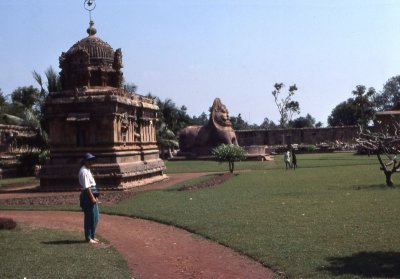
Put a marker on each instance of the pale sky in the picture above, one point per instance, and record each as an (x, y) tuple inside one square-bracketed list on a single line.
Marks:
[(193, 51)]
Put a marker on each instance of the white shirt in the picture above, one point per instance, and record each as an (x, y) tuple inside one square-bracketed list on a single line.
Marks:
[(86, 179)]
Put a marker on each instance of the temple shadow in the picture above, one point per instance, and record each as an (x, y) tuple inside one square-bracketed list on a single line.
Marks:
[(365, 264), (63, 242)]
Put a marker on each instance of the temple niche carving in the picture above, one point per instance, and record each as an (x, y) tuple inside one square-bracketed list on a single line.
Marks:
[(195, 141), (93, 113)]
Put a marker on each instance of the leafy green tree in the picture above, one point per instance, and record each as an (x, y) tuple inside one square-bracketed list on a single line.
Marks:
[(268, 124), (355, 111), (364, 106), (303, 122), (170, 121), (389, 96), (238, 123), (174, 118), (36, 119), (2, 99), (229, 153), (130, 87), (27, 96), (286, 106), (344, 114), (201, 120)]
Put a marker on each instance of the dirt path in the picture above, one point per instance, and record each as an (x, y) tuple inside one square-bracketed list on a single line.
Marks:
[(154, 250)]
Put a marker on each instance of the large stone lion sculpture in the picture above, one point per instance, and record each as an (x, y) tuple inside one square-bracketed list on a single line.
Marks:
[(200, 140)]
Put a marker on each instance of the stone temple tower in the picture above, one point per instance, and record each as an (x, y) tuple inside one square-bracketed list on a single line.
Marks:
[(93, 113)]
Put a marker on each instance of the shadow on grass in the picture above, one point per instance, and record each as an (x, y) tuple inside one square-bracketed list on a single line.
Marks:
[(366, 264), (63, 242), (372, 187)]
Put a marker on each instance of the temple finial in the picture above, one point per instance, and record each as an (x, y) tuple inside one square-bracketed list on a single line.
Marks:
[(91, 30), (90, 5)]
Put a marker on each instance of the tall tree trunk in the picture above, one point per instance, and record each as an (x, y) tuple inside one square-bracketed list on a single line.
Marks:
[(389, 181), (388, 173)]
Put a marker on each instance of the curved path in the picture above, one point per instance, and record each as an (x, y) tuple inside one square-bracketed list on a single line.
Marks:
[(154, 250)]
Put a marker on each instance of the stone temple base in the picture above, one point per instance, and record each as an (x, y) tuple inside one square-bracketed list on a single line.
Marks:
[(117, 176)]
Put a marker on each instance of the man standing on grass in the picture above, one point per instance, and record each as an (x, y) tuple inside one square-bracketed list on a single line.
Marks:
[(294, 160), (286, 158), (88, 199)]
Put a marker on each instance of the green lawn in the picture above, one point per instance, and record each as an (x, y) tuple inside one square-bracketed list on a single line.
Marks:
[(11, 181), (42, 253), (303, 160), (331, 218)]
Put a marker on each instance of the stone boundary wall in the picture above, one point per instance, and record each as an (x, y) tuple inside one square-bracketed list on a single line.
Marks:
[(345, 134)]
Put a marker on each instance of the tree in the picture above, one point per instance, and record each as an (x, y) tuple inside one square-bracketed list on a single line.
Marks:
[(130, 87), (171, 120), (286, 106), (2, 99), (268, 124), (36, 119), (27, 96), (229, 153), (303, 122), (238, 123), (385, 145), (201, 120), (389, 96), (166, 140), (354, 111), (344, 114), (364, 106), (175, 119)]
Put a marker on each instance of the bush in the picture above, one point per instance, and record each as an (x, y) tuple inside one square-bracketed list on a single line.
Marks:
[(306, 148), (7, 224), (29, 160), (229, 153)]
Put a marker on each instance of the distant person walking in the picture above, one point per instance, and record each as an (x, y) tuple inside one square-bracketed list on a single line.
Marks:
[(294, 160), (88, 199), (286, 158)]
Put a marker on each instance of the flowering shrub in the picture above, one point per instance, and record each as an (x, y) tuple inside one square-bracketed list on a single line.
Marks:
[(229, 153)]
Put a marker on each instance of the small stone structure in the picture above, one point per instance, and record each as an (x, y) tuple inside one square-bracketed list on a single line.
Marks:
[(195, 141), (388, 117), (12, 139), (10, 135), (93, 113)]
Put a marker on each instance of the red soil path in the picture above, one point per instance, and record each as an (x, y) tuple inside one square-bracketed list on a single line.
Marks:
[(154, 250)]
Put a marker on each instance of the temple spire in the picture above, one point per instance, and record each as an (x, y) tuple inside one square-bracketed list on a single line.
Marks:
[(91, 30), (90, 5)]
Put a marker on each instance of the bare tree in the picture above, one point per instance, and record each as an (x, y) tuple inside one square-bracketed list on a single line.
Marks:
[(286, 106), (385, 144)]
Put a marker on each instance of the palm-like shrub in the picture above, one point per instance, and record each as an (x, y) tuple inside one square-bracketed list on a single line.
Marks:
[(229, 153), (166, 140)]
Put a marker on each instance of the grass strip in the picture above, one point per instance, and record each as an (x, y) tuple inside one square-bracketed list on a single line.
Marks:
[(43, 253)]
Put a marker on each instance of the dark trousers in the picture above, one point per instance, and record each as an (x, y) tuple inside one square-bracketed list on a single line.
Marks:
[(91, 215)]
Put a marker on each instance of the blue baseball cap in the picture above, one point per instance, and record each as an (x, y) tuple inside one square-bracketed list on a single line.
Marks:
[(88, 157)]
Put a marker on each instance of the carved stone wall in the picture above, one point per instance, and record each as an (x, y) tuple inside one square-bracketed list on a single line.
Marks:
[(114, 125), (345, 134)]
